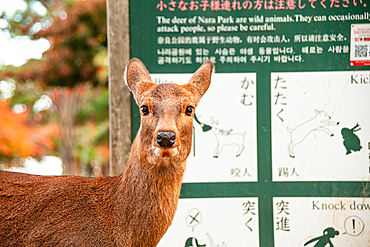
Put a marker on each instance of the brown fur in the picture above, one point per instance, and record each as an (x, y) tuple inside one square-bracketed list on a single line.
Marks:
[(133, 209)]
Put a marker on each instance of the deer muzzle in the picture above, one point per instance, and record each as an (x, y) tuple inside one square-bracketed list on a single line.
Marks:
[(166, 139), (165, 144)]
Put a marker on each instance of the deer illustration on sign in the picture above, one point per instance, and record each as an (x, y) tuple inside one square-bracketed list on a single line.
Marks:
[(224, 138), (319, 122)]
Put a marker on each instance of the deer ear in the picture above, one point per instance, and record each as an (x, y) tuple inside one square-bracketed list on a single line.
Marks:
[(137, 78), (201, 79)]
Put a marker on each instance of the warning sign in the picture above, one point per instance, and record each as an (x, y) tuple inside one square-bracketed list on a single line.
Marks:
[(320, 222), (218, 222), (320, 126)]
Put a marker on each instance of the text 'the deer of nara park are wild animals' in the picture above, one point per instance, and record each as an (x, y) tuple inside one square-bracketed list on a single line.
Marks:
[(133, 209)]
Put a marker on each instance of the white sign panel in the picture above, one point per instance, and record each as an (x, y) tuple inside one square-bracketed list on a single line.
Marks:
[(224, 139), (321, 222), (219, 222), (320, 126)]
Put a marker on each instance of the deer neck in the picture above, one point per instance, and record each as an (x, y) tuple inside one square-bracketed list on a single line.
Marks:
[(152, 191)]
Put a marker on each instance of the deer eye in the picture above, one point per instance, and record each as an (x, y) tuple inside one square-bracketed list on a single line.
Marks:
[(189, 110), (144, 110)]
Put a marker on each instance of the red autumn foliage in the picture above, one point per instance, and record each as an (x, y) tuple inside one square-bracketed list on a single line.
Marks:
[(19, 138)]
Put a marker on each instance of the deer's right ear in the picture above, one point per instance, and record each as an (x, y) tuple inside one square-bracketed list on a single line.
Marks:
[(137, 78)]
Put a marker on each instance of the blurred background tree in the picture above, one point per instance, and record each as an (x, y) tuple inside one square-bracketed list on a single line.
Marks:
[(66, 88)]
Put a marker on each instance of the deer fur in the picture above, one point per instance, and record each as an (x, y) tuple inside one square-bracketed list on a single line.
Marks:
[(133, 209)]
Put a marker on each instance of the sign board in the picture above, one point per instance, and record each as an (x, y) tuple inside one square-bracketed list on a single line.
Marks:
[(284, 125), (317, 221), (231, 221), (316, 126)]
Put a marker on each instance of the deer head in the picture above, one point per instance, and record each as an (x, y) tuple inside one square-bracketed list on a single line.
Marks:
[(167, 112)]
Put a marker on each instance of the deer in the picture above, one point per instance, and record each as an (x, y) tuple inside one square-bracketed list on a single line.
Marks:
[(132, 209)]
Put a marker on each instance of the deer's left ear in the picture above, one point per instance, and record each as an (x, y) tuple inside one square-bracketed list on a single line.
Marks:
[(137, 78), (201, 79)]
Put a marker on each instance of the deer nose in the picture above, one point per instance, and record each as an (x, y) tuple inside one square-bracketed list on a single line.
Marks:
[(166, 138)]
